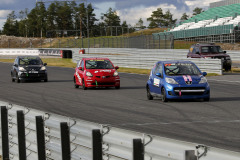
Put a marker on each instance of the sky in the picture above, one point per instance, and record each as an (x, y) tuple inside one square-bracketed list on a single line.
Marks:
[(128, 10)]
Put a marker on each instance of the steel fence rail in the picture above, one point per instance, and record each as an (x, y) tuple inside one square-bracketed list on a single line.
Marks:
[(145, 59), (116, 143)]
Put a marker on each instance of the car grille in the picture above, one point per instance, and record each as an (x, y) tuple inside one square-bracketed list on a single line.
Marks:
[(104, 83), (102, 76), (189, 90)]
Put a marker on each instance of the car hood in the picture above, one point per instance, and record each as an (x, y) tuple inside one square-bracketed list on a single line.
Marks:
[(101, 72), (187, 79)]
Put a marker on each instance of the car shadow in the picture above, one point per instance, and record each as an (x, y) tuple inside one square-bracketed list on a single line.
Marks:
[(223, 99), (49, 81)]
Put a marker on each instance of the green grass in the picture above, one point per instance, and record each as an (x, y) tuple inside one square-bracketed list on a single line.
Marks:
[(61, 62)]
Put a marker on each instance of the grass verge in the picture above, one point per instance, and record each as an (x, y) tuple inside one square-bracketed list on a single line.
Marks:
[(60, 62)]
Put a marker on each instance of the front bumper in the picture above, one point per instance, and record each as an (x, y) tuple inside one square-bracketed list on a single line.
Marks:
[(102, 82), (40, 75), (200, 91)]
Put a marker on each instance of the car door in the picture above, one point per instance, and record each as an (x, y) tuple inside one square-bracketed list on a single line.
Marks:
[(81, 71), (196, 53), (156, 80)]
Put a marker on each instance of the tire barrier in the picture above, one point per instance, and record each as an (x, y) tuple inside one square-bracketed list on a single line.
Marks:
[(66, 54)]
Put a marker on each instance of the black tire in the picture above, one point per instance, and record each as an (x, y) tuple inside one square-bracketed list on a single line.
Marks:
[(13, 80), (17, 80), (164, 97), (117, 87), (228, 68), (45, 80), (149, 96), (83, 85), (75, 85)]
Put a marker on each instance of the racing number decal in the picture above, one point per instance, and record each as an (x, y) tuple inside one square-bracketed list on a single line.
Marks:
[(79, 78), (187, 79), (156, 82)]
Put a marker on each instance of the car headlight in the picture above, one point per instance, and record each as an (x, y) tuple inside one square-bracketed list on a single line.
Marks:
[(43, 68), (21, 69), (171, 81), (115, 74), (89, 74), (203, 80)]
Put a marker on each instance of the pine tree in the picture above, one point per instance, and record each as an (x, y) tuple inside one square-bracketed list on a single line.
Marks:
[(10, 26)]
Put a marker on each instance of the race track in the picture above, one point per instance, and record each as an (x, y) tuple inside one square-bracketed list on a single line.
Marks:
[(215, 123)]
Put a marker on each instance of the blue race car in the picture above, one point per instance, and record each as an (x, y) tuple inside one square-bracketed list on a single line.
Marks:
[(177, 80)]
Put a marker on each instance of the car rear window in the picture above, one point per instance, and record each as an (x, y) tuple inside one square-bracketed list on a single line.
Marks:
[(174, 69), (212, 49), (98, 64)]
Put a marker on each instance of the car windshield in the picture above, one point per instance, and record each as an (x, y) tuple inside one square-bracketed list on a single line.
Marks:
[(175, 69), (212, 49), (99, 64), (30, 61)]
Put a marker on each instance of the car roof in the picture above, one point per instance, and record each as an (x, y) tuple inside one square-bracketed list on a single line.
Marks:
[(174, 61), (96, 58), (205, 44)]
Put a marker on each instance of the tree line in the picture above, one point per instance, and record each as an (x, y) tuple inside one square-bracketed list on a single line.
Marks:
[(69, 18)]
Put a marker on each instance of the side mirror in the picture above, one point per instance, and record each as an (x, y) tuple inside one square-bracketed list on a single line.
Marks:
[(15, 65), (159, 74), (116, 67), (224, 51), (80, 68), (204, 74), (44, 64)]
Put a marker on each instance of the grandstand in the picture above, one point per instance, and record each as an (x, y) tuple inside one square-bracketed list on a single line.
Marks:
[(220, 23)]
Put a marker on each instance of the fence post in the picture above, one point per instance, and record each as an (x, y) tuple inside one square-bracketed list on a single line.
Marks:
[(65, 141), (190, 155), (159, 41), (40, 138), (4, 128), (97, 144), (21, 135), (138, 149)]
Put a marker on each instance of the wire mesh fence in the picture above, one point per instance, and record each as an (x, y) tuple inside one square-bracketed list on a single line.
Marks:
[(141, 42)]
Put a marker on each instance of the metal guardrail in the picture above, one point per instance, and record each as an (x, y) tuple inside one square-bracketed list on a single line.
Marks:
[(55, 137), (146, 58)]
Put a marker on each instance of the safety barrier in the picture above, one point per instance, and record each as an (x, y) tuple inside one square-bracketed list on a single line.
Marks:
[(19, 52), (32, 134), (146, 58)]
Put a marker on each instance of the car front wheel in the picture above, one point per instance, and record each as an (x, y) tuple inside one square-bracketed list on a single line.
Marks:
[(149, 96), (83, 85), (164, 96), (17, 79), (75, 85)]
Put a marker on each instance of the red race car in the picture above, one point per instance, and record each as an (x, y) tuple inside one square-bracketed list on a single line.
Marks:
[(96, 72)]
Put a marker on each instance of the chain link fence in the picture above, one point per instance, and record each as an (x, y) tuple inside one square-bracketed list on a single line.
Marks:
[(141, 42)]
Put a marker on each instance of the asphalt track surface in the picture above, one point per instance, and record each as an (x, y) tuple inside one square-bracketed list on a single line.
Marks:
[(215, 123)]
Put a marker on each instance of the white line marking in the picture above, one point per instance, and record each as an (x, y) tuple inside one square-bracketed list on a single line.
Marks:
[(169, 123), (224, 81)]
